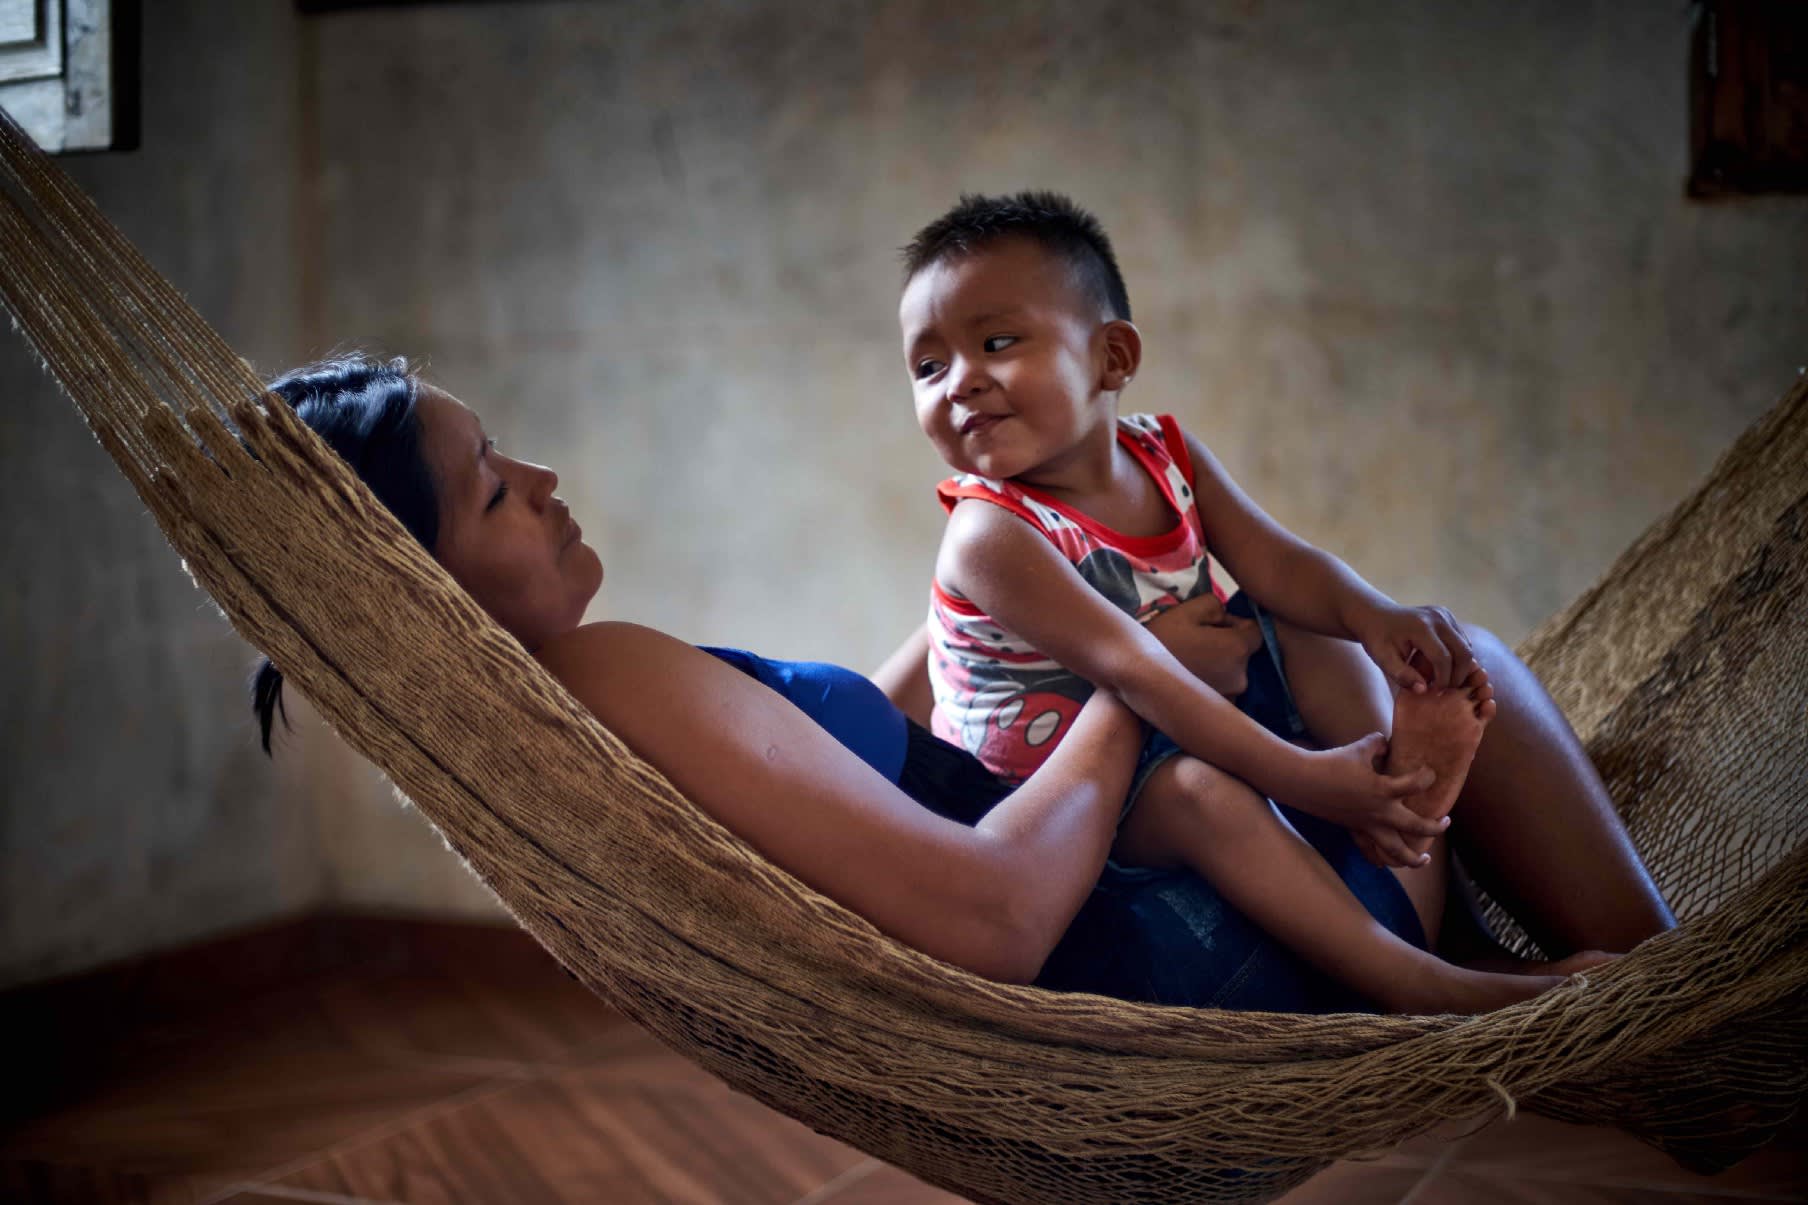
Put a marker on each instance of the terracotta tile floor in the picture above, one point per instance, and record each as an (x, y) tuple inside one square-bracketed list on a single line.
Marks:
[(341, 1060)]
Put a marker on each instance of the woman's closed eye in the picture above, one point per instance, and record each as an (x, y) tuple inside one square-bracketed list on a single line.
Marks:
[(501, 487)]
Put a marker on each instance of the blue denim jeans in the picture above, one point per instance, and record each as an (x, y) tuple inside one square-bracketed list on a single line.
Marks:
[(1168, 937)]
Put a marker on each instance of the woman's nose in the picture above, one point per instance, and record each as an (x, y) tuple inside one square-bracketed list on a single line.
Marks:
[(544, 482)]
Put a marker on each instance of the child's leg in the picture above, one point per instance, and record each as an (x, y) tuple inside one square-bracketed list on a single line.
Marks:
[(1191, 814), (1343, 696)]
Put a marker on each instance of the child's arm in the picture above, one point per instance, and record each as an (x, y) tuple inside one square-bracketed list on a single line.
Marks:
[(1005, 567), (1312, 589), (905, 677)]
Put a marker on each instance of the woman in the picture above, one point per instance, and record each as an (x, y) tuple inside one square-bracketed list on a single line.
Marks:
[(843, 792)]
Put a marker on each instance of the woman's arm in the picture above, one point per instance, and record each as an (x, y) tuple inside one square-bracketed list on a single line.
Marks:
[(993, 899), (905, 677)]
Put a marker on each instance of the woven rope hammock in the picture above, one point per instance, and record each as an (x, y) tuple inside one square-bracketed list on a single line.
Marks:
[(1685, 670)]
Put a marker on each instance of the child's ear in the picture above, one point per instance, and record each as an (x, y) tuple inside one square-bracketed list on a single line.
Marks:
[(1123, 353)]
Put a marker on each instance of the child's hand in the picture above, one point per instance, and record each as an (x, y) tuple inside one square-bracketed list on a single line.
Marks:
[(1347, 787), (1418, 648), (1213, 645), (1387, 847)]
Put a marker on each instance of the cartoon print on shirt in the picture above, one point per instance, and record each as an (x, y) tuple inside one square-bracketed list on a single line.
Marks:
[(1140, 593), (1021, 707), (997, 695)]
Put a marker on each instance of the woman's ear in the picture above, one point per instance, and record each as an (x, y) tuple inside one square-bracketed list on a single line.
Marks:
[(1123, 353)]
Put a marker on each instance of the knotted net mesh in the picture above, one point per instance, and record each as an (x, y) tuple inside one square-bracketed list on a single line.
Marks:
[(1685, 670)]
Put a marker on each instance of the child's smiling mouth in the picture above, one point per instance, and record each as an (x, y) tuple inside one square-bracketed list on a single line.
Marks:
[(977, 423)]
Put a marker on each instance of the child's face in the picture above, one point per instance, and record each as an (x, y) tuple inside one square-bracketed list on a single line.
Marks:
[(1006, 358)]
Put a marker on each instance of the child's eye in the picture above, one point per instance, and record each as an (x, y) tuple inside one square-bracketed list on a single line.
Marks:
[(998, 343), (497, 497), (924, 369)]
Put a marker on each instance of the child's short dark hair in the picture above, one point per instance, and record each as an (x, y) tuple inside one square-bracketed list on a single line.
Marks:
[(1049, 219)]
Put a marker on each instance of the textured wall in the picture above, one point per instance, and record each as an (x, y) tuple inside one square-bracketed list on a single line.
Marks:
[(1421, 273), (135, 809)]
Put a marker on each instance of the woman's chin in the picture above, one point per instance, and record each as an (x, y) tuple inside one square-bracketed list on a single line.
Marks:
[(591, 571)]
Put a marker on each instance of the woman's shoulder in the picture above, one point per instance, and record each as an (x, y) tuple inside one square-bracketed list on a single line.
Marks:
[(608, 636), (601, 663), (673, 703)]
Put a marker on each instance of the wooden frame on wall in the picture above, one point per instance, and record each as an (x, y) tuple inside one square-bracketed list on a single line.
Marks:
[(1748, 97), (69, 72), (333, 6)]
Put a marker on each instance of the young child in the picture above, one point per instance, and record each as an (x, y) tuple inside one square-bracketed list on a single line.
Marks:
[(1068, 525)]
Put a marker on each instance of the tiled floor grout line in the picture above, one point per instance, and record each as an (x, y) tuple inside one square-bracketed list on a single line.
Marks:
[(610, 1043), (1437, 1167), (579, 1055), (475, 1064), (309, 1194), (476, 1092), (852, 1175), (1534, 1174)]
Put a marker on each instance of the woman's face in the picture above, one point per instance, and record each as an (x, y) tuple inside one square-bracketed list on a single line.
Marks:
[(503, 535)]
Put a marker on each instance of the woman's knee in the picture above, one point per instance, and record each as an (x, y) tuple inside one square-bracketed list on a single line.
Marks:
[(1516, 684), (1488, 648), (1340, 693)]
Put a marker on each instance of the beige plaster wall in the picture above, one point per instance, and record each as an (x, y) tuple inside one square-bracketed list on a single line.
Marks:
[(136, 811), (1421, 273)]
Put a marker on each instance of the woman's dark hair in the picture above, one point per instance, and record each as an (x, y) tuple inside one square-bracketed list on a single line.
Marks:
[(364, 408)]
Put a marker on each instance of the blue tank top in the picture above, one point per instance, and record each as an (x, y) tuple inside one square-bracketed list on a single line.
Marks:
[(849, 707)]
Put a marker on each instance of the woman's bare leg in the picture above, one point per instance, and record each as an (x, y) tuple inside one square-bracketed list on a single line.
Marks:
[(1191, 814), (1533, 822), (1536, 826)]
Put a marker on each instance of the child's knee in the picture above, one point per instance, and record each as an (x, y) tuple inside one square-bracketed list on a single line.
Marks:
[(1185, 803), (1200, 794)]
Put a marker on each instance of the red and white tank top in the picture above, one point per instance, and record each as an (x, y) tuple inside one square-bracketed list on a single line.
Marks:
[(1007, 702)]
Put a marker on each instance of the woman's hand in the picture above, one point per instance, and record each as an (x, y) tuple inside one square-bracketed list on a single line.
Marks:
[(1214, 645), (1346, 786), (1418, 648)]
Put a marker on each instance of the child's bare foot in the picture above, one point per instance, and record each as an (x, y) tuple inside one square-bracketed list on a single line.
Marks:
[(1450, 989), (1441, 729), (1508, 965), (1581, 961), (1443, 988)]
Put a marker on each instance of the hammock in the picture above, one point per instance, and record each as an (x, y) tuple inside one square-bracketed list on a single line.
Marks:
[(1685, 670)]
